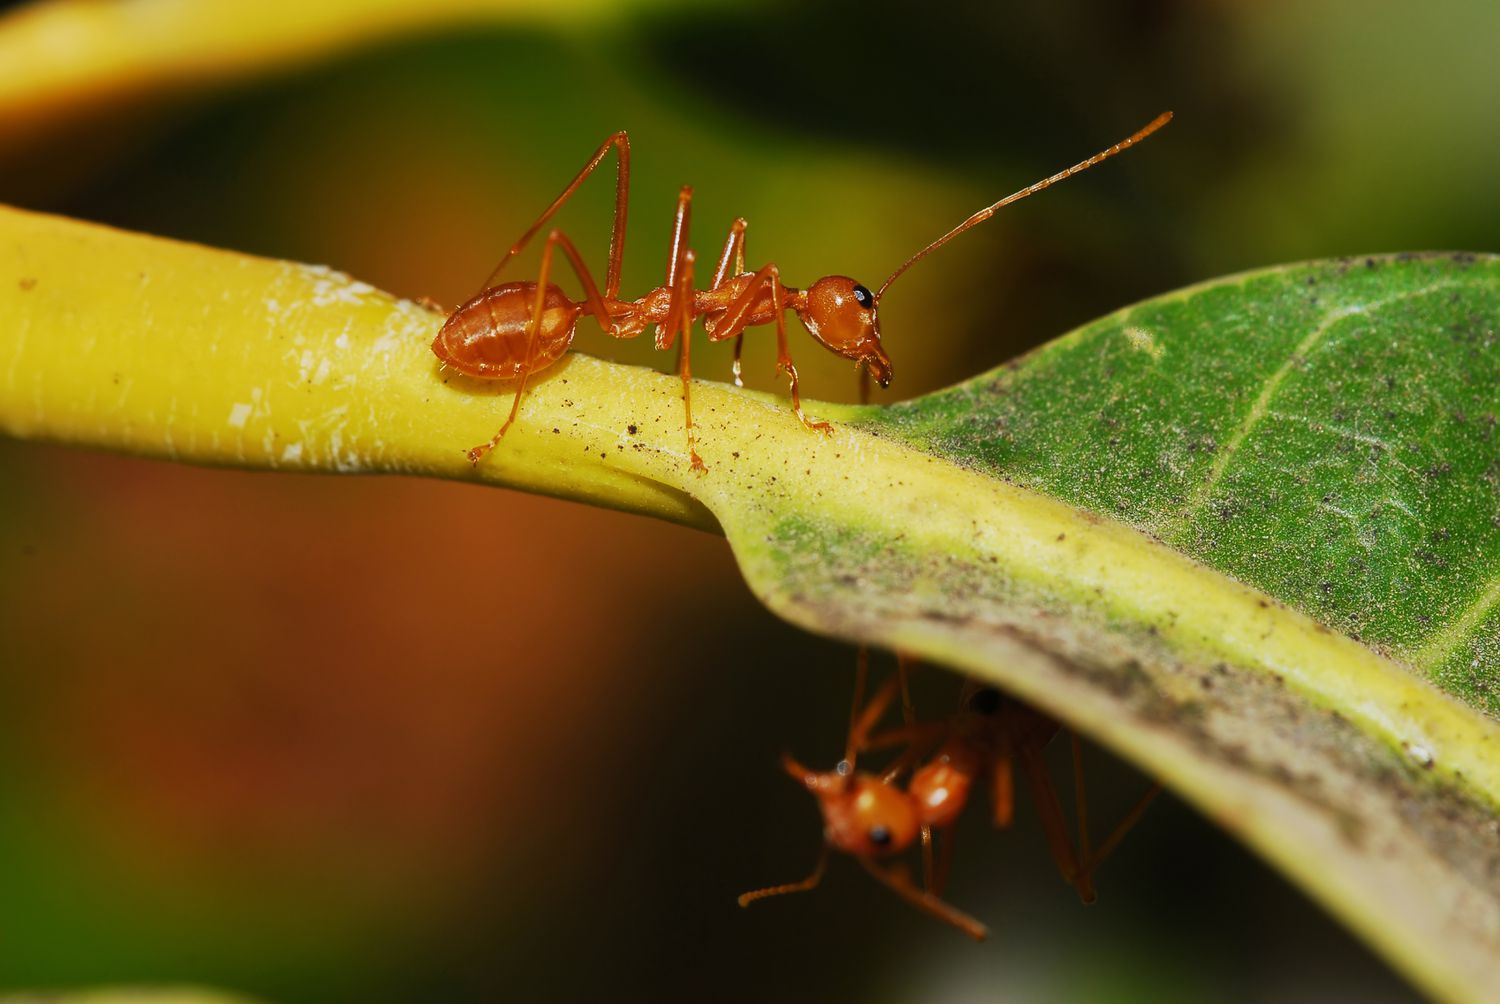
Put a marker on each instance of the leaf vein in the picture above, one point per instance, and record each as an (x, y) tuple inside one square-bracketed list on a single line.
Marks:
[(1261, 407), (1445, 641)]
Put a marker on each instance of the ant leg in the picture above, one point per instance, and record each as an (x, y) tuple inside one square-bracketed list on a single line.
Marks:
[(739, 339), (667, 330), (919, 738), (1131, 818), (1080, 799), (733, 323), (555, 240), (863, 720), (896, 879), (784, 362), (908, 709), (732, 320), (1003, 789), (592, 300), (1092, 859), (944, 863), (621, 143), (861, 677), (734, 253), (533, 331), (679, 319), (909, 718), (810, 882), (1053, 823), (685, 290)]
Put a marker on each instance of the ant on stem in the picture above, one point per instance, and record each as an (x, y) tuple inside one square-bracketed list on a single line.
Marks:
[(512, 330), (870, 817)]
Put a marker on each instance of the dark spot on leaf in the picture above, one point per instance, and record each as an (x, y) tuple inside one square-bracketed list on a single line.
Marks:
[(1430, 557), (27, 285)]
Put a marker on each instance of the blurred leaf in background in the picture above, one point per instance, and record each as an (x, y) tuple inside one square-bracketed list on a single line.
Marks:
[(305, 739)]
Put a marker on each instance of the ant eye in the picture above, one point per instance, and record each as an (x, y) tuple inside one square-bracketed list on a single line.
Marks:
[(880, 836), (862, 297)]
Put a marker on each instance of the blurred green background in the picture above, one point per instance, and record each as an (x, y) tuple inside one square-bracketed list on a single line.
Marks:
[(299, 737)]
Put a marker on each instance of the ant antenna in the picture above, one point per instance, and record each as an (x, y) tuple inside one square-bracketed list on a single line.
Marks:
[(989, 211)]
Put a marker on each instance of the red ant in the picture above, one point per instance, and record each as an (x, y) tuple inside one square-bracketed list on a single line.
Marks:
[(869, 817), (513, 330)]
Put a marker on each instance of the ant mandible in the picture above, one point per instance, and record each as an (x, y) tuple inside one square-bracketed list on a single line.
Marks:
[(510, 331), (870, 818)]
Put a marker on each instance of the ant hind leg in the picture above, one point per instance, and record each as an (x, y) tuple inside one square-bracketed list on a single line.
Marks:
[(1054, 824), (620, 142), (1124, 826), (594, 303)]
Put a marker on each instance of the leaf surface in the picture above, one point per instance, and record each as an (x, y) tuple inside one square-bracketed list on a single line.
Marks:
[(1242, 534)]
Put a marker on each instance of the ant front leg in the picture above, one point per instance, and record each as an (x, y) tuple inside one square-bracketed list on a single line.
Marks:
[(896, 879), (784, 362), (734, 322), (861, 678), (811, 882)]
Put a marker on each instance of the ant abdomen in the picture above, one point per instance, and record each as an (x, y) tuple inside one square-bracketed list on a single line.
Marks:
[(488, 336)]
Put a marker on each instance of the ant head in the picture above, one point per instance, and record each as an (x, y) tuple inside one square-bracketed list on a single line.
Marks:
[(862, 815), (842, 314)]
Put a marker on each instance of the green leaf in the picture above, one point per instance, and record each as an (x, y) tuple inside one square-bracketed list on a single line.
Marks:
[(1165, 529), (1325, 432)]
